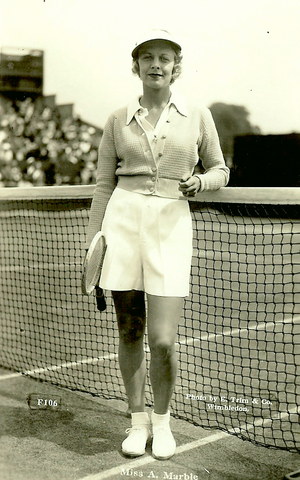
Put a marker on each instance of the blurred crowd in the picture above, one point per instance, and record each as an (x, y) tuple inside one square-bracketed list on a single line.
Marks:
[(39, 146)]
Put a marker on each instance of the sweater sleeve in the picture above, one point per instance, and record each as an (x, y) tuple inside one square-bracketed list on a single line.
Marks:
[(216, 174), (105, 179)]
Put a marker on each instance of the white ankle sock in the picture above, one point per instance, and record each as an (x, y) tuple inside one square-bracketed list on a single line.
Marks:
[(140, 418)]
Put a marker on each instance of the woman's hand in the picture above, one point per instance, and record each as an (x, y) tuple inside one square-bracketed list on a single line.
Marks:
[(189, 186)]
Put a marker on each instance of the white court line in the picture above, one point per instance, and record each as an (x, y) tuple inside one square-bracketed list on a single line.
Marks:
[(209, 337), (184, 448), (235, 331), (53, 368)]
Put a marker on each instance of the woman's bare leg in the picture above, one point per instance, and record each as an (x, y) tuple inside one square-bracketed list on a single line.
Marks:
[(164, 314), (130, 309)]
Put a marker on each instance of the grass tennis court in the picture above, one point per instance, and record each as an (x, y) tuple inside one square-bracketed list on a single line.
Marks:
[(237, 340), (82, 441)]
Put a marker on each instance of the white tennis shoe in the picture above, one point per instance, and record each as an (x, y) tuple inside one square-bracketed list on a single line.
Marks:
[(135, 444), (163, 443)]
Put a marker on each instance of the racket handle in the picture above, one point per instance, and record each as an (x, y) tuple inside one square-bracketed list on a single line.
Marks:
[(100, 299)]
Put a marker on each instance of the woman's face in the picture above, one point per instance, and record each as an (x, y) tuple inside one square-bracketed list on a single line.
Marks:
[(156, 61)]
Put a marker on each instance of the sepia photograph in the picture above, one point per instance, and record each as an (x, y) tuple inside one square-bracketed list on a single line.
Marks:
[(149, 240)]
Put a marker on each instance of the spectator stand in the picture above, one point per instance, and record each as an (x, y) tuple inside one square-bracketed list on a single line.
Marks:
[(42, 143)]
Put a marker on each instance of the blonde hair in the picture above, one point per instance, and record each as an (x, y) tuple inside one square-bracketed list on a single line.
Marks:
[(176, 70)]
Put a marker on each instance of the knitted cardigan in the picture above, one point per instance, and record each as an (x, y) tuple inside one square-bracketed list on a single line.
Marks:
[(125, 157)]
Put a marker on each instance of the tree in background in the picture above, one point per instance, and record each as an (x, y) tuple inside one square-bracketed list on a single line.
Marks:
[(231, 120)]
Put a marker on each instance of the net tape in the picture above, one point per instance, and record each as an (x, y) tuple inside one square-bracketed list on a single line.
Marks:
[(239, 333)]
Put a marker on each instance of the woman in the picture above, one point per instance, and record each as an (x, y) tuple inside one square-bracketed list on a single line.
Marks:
[(147, 158)]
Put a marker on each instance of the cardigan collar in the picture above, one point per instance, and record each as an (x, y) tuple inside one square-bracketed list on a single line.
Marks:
[(135, 106)]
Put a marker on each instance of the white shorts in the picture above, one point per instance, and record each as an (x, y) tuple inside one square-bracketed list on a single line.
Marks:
[(149, 244)]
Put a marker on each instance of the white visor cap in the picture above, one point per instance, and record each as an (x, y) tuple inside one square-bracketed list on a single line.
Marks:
[(155, 35)]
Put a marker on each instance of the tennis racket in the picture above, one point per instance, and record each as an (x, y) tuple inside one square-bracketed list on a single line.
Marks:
[(91, 270)]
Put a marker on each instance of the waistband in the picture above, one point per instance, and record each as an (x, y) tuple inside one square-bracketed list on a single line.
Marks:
[(161, 187)]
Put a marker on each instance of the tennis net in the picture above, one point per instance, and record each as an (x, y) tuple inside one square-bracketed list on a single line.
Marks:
[(239, 334)]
